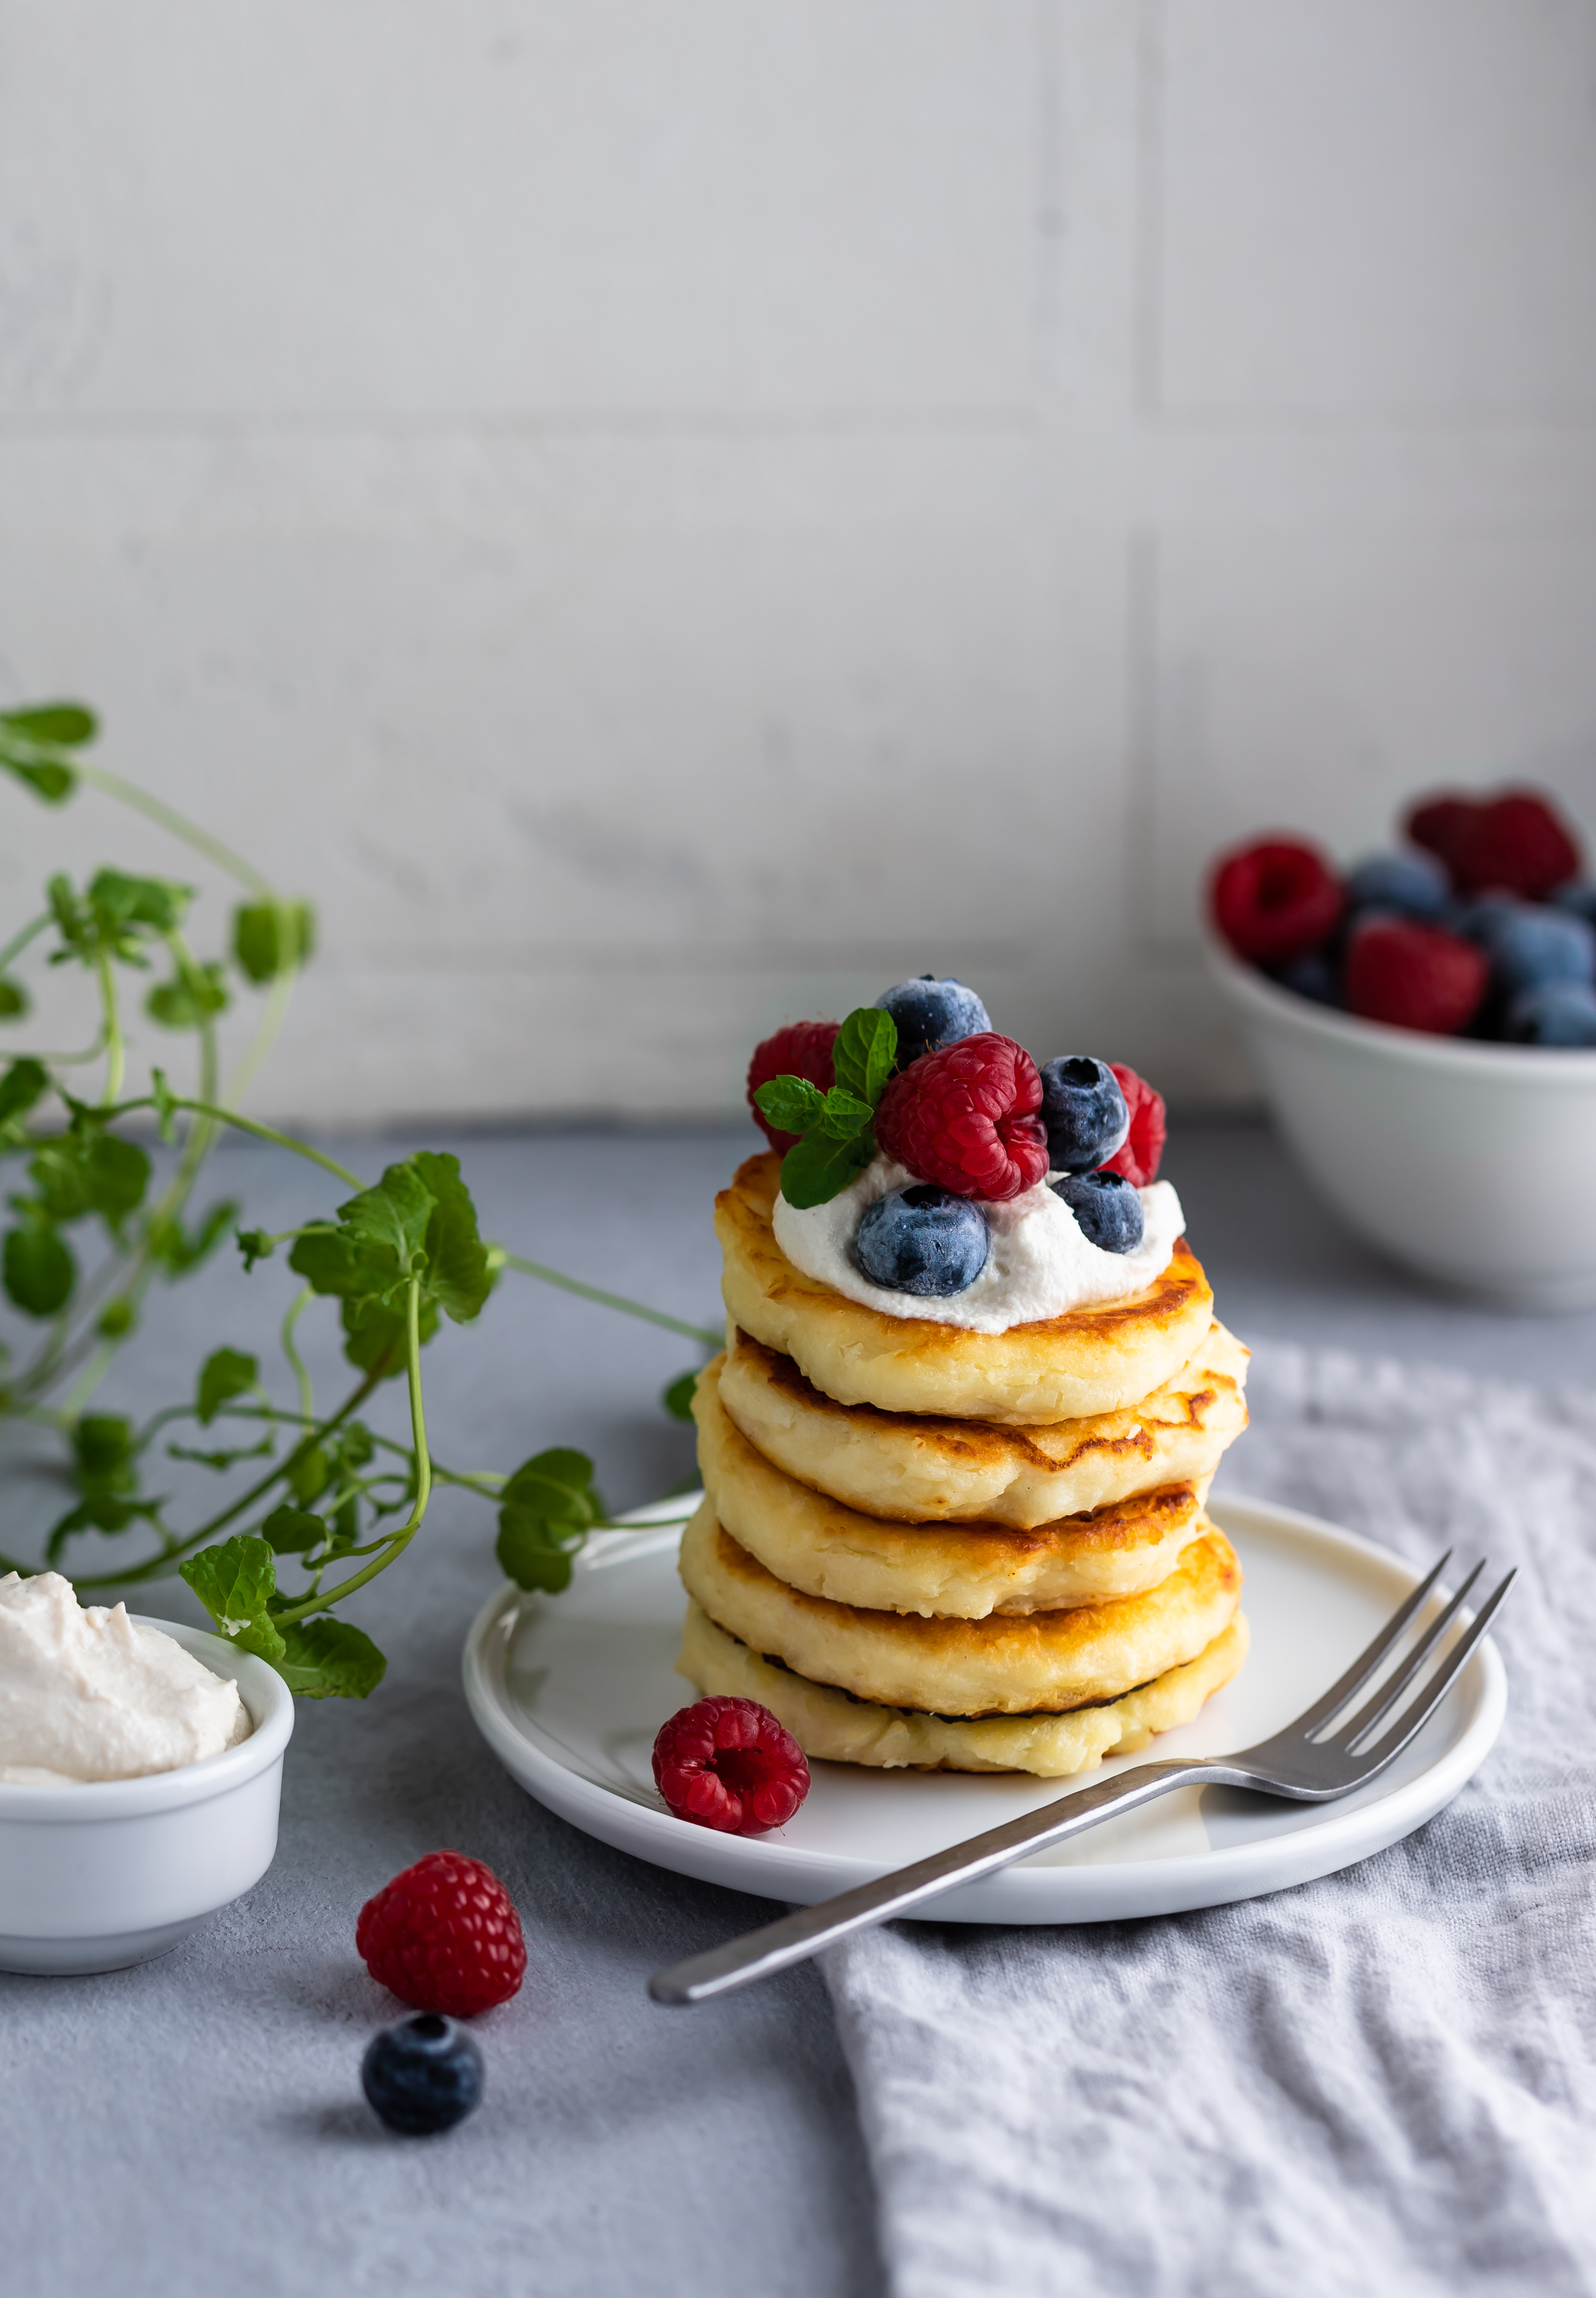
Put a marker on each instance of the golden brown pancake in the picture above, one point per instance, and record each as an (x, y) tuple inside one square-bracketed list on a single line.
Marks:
[(1002, 1665), (831, 1726), (964, 1571), (912, 1467), (1094, 1360)]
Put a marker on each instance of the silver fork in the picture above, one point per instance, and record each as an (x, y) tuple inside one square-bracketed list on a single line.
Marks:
[(1296, 1763)]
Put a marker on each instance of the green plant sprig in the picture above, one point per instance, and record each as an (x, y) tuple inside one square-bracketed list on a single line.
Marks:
[(836, 1128), (396, 1257)]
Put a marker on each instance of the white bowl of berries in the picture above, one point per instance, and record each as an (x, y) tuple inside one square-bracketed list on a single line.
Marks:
[(1423, 1023)]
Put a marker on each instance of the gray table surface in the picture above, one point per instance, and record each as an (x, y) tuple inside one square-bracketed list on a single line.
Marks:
[(196, 2124)]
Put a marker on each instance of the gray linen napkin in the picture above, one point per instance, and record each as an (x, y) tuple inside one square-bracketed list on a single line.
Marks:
[(1381, 2082)]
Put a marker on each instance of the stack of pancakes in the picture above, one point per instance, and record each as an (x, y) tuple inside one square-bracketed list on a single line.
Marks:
[(964, 1551)]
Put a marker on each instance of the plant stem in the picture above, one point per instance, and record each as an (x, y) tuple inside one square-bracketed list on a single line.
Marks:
[(145, 802), (296, 1363), (712, 1340), (19, 941), (116, 1052), (247, 1124)]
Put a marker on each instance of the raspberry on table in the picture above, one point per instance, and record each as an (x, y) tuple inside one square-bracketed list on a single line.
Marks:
[(1138, 1160), (1414, 976), (445, 1936), (967, 1118), (1275, 899), (799, 1049), (730, 1765)]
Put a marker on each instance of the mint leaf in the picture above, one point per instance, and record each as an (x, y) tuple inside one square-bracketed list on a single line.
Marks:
[(865, 1052), (66, 723), (25, 1082), (13, 1000), (458, 1275), (226, 1373), (38, 1269), (374, 1337), (329, 1659), (235, 1581), (677, 1398), (820, 1169), (842, 1115), (270, 936), (791, 1104), (104, 1459), (289, 1531), (530, 1551), (386, 1226), (548, 1507)]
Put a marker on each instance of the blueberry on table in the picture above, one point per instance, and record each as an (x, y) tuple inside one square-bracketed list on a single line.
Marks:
[(1414, 885), (930, 1014), (423, 2075), (923, 1240), (1107, 1210), (1557, 1014), (1085, 1112)]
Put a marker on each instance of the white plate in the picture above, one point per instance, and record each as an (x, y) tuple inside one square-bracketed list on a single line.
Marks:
[(569, 1692)]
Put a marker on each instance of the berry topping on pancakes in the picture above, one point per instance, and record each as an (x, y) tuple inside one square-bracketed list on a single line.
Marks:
[(1138, 1159), (968, 1119), (803, 1049)]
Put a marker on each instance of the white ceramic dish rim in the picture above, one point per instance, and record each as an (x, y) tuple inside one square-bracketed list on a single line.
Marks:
[(1572, 1066), (1217, 1876), (264, 1693)]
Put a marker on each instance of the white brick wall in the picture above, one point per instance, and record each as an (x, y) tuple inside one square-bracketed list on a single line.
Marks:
[(659, 517)]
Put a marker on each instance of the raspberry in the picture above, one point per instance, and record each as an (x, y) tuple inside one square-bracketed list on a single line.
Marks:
[(966, 1118), (1437, 823), (1274, 900), (1138, 1160), (1414, 976), (801, 1049), (445, 1936), (728, 1764), (1517, 841)]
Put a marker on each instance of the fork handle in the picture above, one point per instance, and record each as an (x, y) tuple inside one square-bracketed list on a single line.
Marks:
[(808, 1930)]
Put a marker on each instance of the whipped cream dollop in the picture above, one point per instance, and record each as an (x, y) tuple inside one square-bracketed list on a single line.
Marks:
[(86, 1693), (1038, 1264)]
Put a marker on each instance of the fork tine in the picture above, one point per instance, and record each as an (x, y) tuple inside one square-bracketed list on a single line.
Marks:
[(1368, 1660), (1414, 1718), (1387, 1698)]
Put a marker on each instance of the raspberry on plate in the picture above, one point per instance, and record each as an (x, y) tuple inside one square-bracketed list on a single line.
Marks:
[(1414, 976), (729, 1765), (445, 1936), (1138, 1160), (1275, 899), (966, 1117), (800, 1049)]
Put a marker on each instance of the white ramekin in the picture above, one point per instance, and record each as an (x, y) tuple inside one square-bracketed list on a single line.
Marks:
[(1473, 1163), (97, 1876)]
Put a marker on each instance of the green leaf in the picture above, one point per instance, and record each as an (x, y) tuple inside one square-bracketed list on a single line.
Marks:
[(842, 1115), (166, 1103), (791, 1104), (103, 1458), (310, 1472), (66, 723), (89, 1171), (101, 1512), (51, 778), (330, 1659), (13, 1000), (527, 1552), (459, 1277), (226, 1458), (547, 1508), (865, 1052), (116, 1319), (225, 1373), (235, 1581), (256, 1245), (677, 1399), (193, 996), (375, 1337), (559, 1481), (291, 1530), (25, 1082), (38, 1269), (117, 900), (270, 936), (386, 1226), (177, 1250), (819, 1169)]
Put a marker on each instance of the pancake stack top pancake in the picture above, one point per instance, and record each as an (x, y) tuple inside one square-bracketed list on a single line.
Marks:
[(973, 1396)]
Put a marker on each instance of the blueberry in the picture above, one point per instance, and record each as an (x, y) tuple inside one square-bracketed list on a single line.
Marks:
[(923, 1240), (1106, 1207), (1530, 946), (423, 2075), (1414, 885), (1084, 1111), (1313, 976), (930, 1014), (1478, 920), (1579, 895), (1557, 1014)]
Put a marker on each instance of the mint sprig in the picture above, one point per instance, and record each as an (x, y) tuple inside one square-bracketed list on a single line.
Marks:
[(836, 1130)]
